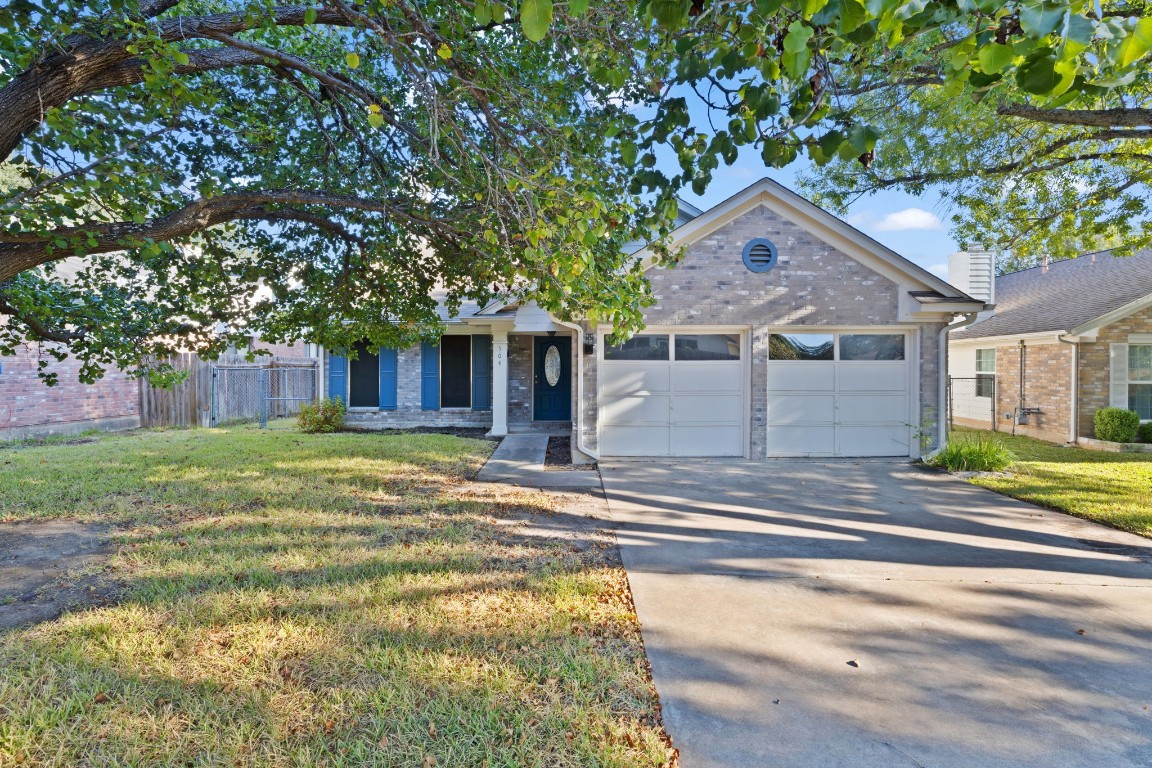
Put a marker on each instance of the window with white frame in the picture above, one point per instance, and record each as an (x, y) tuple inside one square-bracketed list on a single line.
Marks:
[(985, 372), (1140, 380)]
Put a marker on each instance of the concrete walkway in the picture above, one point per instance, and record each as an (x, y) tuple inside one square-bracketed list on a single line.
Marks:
[(877, 614), (519, 460)]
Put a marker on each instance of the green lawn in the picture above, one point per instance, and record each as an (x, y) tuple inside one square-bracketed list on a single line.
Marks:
[(1110, 488), (319, 600)]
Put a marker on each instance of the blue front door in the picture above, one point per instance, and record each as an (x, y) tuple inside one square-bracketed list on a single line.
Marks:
[(552, 379)]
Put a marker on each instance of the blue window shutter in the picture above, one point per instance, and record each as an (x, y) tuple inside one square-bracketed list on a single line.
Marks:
[(429, 377), (387, 379), (338, 377), (481, 372)]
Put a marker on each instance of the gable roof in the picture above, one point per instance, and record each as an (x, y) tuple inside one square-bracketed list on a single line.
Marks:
[(822, 224), (1073, 295)]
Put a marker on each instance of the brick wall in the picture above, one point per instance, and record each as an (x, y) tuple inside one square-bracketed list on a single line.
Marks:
[(1094, 364), (1047, 385), (520, 379), (28, 407), (813, 284)]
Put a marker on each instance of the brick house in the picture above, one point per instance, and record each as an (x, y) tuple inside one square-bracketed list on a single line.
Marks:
[(1064, 340), (782, 332), (28, 407)]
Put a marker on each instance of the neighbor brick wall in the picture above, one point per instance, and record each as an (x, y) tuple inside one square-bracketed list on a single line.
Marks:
[(1047, 386), (28, 406), (1094, 365), (813, 284)]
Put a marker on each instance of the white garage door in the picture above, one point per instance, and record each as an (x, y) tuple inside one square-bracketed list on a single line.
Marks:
[(673, 394), (839, 394)]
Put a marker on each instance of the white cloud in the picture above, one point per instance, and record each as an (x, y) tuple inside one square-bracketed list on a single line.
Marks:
[(909, 219), (939, 269)]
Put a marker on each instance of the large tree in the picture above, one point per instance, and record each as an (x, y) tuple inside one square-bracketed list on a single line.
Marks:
[(320, 168), (313, 169), (1033, 119)]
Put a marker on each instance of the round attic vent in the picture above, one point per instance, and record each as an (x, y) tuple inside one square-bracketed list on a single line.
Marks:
[(760, 255)]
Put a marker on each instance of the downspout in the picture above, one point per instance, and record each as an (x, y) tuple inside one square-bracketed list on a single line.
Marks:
[(1074, 422), (579, 389), (942, 389)]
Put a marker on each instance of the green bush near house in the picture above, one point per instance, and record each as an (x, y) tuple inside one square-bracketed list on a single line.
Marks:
[(1116, 425), (324, 416), (981, 454), (1144, 433)]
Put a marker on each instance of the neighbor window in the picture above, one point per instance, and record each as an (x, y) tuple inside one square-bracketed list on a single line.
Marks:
[(711, 346), (1140, 380), (871, 346), (985, 372), (652, 346), (801, 346)]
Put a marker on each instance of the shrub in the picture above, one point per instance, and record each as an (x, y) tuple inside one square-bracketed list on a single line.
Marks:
[(1116, 425), (981, 454), (324, 416), (1144, 434)]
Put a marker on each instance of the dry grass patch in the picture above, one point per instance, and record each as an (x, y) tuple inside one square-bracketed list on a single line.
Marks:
[(335, 600)]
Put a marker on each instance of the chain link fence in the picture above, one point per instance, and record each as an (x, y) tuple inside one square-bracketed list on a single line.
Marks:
[(265, 394), (972, 402)]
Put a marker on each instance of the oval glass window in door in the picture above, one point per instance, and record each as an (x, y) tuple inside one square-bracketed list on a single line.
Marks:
[(552, 365)]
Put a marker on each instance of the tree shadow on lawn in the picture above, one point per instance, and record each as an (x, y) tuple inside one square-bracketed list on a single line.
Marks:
[(283, 634)]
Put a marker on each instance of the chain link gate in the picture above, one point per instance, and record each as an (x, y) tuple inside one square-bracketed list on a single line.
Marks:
[(261, 393), (972, 402)]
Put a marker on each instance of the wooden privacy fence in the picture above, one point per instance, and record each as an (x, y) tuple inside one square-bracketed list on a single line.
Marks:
[(240, 390)]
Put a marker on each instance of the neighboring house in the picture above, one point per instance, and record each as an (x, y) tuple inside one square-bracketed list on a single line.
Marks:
[(782, 332), (1064, 340), (29, 408)]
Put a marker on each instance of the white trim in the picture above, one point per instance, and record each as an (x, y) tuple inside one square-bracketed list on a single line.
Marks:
[(1038, 337), (1140, 338), (816, 221)]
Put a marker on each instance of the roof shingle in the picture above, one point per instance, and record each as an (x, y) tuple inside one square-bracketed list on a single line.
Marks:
[(1069, 294)]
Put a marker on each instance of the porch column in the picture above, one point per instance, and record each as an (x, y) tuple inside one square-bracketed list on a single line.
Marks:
[(499, 383)]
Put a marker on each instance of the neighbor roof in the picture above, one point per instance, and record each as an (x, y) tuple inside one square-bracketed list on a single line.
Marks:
[(1069, 294)]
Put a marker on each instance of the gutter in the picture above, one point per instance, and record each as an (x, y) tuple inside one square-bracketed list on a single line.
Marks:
[(942, 393), (1074, 416), (579, 389)]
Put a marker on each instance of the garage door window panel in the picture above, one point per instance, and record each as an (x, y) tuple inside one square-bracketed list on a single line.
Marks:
[(802, 346), (707, 347), (871, 346), (641, 347)]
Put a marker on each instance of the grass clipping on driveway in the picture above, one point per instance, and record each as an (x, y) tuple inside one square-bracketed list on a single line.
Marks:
[(320, 600), (1110, 488)]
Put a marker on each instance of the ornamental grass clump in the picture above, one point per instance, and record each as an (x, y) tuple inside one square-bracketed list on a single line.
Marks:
[(981, 454), (324, 416), (1116, 425)]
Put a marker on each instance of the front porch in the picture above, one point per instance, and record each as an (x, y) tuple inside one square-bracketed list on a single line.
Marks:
[(486, 374)]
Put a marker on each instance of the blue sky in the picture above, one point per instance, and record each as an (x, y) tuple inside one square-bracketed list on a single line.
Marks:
[(914, 227)]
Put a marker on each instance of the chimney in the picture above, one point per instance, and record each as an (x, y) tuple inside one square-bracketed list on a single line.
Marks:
[(973, 271)]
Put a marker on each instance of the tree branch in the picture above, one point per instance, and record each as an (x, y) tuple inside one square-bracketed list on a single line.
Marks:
[(1119, 117), (19, 252)]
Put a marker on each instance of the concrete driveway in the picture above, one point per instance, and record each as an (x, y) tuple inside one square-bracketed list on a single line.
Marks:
[(876, 614)]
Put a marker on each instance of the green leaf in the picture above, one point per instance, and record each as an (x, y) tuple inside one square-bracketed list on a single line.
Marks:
[(862, 138), (375, 119), (628, 152), (669, 14), (444, 51), (578, 7), (995, 57), (812, 7), (1037, 74), (353, 60), (483, 12), (536, 18), (796, 54), (1039, 19), (1135, 45), (310, 16)]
